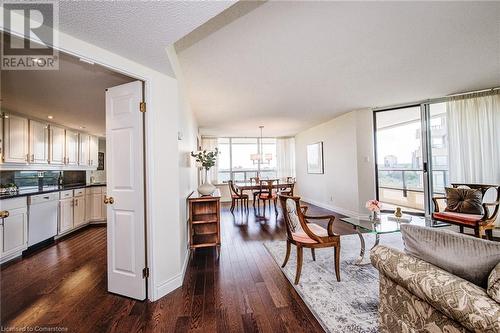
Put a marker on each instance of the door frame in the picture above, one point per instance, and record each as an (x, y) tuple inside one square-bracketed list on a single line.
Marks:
[(425, 165), (147, 137)]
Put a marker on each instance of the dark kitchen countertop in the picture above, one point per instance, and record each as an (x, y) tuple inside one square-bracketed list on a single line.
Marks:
[(24, 192)]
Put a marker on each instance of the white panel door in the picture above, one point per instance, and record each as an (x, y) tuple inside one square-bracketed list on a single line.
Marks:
[(39, 143), (57, 148), (15, 139), (71, 147), (125, 185), (83, 148)]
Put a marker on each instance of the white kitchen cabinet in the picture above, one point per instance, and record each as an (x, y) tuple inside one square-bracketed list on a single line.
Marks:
[(71, 147), (79, 211), (65, 215), (93, 150), (84, 149), (38, 142), (14, 228), (57, 148), (104, 207), (16, 138), (96, 213)]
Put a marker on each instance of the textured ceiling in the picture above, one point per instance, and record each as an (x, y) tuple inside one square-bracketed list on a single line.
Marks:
[(74, 95), (292, 65), (138, 30)]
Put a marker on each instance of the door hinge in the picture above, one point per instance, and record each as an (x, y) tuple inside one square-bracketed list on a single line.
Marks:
[(142, 107), (145, 272)]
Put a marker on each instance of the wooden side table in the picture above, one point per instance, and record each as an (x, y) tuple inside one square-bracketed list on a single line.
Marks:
[(204, 220)]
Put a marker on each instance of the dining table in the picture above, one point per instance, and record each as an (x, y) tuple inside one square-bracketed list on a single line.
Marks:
[(252, 186)]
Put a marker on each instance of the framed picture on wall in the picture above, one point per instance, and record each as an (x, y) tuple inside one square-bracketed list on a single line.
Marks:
[(315, 158), (100, 161)]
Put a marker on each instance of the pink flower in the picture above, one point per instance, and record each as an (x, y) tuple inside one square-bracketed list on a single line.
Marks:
[(373, 205)]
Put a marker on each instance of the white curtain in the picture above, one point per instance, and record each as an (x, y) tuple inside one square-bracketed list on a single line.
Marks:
[(474, 141), (474, 138), (285, 157), (209, 144)]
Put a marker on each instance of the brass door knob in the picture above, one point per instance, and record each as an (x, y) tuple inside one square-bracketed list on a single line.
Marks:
[(4, 214), (109, 200)]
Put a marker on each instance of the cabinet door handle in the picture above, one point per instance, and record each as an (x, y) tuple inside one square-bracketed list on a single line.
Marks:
[(4, 214), (27, 157), (32, 157), (109, 200)]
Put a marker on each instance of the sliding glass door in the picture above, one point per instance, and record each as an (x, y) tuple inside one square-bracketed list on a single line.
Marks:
[(399, 159), (411, 147)]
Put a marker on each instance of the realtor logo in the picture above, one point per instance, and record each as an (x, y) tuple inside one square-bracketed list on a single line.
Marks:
[(29, 36)]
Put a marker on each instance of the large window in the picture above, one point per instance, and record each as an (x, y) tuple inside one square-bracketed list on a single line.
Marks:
[(236, 163)]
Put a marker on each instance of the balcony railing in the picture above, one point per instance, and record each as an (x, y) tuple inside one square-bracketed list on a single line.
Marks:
[(409, 184)]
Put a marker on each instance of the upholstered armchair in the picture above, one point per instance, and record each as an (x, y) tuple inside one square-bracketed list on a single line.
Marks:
[(304, 234), (481, 223)]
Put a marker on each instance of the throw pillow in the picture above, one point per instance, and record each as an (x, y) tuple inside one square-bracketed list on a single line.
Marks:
[(465, 256), (494, 283), (464, 200)]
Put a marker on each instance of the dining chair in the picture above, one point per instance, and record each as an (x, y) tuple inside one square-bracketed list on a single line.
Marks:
[(237, 197), (304, 234), (268, 192), (255, 181), (287, 188)]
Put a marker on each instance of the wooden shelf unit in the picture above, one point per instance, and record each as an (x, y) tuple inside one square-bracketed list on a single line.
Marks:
[(204, 220)]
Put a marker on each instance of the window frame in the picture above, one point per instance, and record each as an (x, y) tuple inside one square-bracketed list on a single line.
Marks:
[(259, 164)]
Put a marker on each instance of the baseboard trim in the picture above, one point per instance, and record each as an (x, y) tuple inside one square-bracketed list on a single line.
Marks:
[(336, 209), (174, 282)]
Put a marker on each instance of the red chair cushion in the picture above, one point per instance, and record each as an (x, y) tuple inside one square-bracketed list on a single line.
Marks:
[(243, 196), (301, 236), (469, 219), (267, 196)]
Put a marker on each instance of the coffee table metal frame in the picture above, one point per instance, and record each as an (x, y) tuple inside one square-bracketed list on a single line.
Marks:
[(384, 225)]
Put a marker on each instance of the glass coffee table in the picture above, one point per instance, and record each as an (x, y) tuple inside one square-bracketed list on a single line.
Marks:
[(386, 224)]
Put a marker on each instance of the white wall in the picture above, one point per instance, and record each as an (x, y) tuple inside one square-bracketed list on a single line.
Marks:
[(162, 161), (187, 140), (348, 180)]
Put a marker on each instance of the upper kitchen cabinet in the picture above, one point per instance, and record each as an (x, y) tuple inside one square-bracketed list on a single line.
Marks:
[(38, 142), (57, 141), (84, 149), (71, 147), (16, 138), (93, 150)]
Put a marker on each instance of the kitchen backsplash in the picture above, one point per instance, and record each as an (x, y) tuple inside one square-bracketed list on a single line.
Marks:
[(30, 178)]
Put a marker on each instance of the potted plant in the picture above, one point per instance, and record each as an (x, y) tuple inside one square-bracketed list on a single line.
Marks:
[(206, 159)]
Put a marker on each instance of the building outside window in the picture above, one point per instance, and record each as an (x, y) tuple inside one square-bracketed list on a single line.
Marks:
[(237, 159)]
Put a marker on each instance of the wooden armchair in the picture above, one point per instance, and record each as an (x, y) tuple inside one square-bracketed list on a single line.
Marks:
[(302, 233), (256, 181), (480, 223), (237, 197), (287, 188)]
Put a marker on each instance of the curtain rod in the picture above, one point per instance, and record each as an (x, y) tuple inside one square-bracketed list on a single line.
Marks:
[(473, 92), (429, 100)]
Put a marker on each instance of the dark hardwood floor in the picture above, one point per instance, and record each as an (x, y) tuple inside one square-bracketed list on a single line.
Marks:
[(64, 286)]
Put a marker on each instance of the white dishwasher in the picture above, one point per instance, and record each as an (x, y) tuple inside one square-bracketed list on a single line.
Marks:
[(42, 217)]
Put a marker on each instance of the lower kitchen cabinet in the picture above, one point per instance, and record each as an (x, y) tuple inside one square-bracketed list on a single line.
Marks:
[(65, 215), (95, 204), (79, 211), (14, 228)]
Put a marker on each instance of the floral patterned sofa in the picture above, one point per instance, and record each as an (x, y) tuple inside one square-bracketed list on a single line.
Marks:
[(416, 296)]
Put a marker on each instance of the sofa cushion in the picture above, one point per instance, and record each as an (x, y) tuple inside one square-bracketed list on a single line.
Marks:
[(467, 257), (464, 200), (494, 283), (469, 219)]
